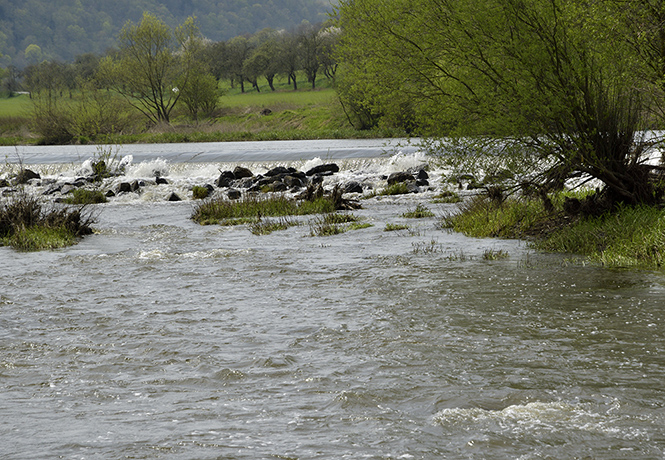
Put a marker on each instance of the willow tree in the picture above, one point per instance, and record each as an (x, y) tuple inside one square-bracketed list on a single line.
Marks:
[(558, 78), (152, 66)]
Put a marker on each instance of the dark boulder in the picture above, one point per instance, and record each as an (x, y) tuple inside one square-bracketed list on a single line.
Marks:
[(124, 187), (109, 194), (280, 170), (422, 182), (52, 189), (245, 182), (352, 187), (316, 179), (292, 181), (398, 177), (233, 194), (225, 179), (4, 183), (240, 172), (326, 169), (173, 197), (161, 181), (25, 175)]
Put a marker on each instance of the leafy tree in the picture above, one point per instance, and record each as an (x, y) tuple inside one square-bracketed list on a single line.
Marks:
[(309, 47), (289, 60), (556, 79), (153, 65)]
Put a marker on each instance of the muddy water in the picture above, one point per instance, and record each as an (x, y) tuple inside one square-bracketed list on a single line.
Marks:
[(158, 338)]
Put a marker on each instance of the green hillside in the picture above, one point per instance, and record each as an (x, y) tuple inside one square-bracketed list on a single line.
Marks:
[(62, 29)]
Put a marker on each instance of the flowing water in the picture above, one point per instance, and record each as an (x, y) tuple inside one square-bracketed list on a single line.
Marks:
[(157, 338)]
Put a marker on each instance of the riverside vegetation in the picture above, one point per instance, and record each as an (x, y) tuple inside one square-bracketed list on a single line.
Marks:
[(547, 94)]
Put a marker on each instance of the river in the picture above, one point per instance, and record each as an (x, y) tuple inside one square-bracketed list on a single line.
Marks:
[(158, 338)]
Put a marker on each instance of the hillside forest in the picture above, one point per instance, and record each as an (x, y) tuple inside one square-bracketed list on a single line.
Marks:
[(59, 30)]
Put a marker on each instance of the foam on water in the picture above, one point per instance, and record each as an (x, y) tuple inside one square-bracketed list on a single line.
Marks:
[(533, 417)]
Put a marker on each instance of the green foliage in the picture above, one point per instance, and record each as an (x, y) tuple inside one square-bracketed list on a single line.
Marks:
[(395, 227), (85, 196), (252, 207), (399, 188), (446, 197), (482, 217), (200, 192), (420, 212), (334, 224), (40, 238), (630, 237), (26, 224), (565, 86)]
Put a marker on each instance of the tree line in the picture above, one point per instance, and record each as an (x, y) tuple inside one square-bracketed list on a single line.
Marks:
[(155, 68), (58, 30)]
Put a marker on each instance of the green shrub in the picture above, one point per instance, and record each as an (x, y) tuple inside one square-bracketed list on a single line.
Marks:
[(399, 188), (26, 224), (200, 192), (85, 196)]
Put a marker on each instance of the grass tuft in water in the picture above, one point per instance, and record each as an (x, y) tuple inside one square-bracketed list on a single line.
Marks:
[(420, 212), (429, 247), (491, 254), (395, 227), (252, 207), (267, 226), (85, 196), (399, 188), (334, 224), (447, 197)]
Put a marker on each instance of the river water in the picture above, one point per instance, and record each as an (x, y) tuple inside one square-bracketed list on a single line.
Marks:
[(157, 338)]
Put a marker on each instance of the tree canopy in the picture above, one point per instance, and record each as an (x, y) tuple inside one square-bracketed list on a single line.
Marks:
[(571, 81)]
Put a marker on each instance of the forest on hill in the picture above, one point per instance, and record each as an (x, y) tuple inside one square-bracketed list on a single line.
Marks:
[(35, 30)]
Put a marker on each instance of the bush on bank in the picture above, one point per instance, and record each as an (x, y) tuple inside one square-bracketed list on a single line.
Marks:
[(631, 237), (28, 225)]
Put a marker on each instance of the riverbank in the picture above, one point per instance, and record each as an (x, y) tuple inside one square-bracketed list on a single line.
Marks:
[(252, 116), (628, 237)]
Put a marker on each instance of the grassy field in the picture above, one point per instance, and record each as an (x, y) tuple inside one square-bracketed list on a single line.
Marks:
[(17, 106), (252, 115)]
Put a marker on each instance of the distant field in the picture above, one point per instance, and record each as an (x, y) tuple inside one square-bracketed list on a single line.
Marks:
[(18, 106)]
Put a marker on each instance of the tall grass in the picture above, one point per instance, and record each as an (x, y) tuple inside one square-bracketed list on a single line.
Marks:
[(481, 217), (252, 207), (626, 237), (28, 225), (629, 237)]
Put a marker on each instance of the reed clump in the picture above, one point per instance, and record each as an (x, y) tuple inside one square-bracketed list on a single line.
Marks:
[(253, 207), (28, 225), (626, 236), (334, 224)]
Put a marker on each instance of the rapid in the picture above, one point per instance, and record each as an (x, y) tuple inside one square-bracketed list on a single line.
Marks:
[(158, 338)]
